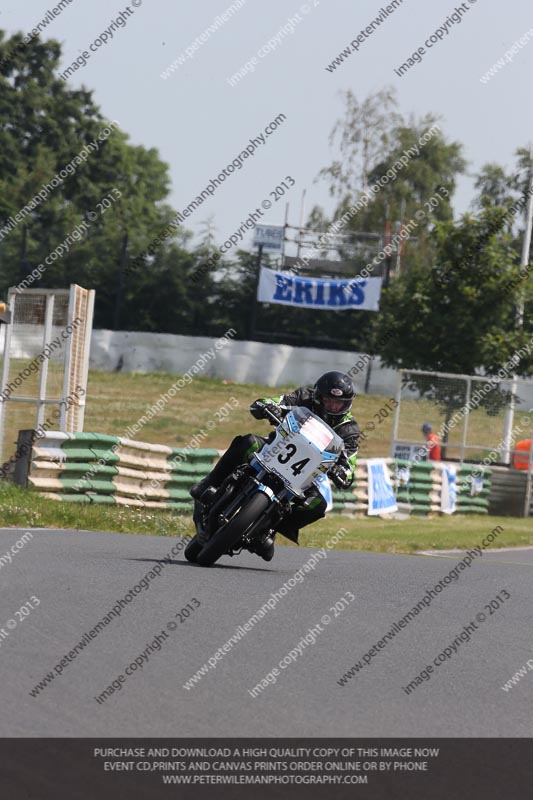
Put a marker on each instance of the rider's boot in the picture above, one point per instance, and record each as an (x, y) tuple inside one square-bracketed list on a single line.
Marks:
[(300, 517), (289, 530)]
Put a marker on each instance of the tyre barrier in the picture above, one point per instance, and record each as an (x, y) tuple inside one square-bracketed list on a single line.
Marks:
[(418, 486), (98, 468)]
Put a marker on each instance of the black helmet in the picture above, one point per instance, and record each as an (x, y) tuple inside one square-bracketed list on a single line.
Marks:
[(330, 387)]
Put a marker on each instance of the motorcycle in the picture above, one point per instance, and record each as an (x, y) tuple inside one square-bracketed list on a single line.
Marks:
[(253, 500)]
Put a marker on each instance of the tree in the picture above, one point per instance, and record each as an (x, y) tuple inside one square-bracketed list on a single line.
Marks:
[(45, 125), (366, 131), (494, 186), (470, 324), (436, 166), (467, 325), (372, 137), (414, 168)]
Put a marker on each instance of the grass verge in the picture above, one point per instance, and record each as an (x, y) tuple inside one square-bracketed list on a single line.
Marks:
[(116, 401), (22, 508)]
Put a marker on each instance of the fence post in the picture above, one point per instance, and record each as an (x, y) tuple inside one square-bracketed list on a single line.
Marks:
[(22, 464), (467, 414), (43, 372), (527, 502), (396, 410)]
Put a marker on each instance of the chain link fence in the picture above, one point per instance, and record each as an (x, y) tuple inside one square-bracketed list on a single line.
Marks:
[(473, 417)]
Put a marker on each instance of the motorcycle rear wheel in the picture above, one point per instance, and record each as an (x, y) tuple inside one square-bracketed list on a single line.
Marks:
[(229, 535)]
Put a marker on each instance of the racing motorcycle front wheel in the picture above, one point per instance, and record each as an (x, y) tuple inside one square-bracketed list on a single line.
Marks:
[(193, 549), (228, 536)]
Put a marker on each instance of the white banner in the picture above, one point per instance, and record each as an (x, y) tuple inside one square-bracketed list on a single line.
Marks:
[(449, 488), (381, 498), (406, 452), (318, 293)]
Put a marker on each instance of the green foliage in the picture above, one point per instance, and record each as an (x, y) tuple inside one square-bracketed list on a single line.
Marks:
[(494, 186), (365, 133), (45, 126), (467, 324), (372, 137), (454, 306)]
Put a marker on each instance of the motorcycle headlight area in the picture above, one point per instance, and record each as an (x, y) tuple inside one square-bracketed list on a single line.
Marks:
[(298, 449)]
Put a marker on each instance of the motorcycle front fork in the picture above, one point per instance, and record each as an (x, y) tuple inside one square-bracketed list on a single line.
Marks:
[(218, 505)]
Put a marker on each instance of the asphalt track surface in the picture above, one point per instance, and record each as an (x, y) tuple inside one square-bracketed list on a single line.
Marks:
[(78, 576)]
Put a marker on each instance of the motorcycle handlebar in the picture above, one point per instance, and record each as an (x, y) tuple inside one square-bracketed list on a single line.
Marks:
[(271, 416)]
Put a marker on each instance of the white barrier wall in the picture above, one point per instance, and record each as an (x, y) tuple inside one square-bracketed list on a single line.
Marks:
[(242, 362)]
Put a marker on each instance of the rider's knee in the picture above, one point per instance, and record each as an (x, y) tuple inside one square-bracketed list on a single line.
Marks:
[(246, 440), (321, 507), (244, 443)]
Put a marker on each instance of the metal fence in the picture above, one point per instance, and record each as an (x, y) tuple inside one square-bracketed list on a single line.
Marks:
[(477, 419), (46, 356)]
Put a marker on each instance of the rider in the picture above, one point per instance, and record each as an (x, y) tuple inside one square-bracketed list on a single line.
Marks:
[(331, 399)]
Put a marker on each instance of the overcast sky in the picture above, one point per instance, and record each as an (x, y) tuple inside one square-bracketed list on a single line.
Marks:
[(199, 123)]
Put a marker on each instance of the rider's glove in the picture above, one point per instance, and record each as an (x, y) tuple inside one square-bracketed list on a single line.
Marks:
[(258, 410), (341, 476)]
